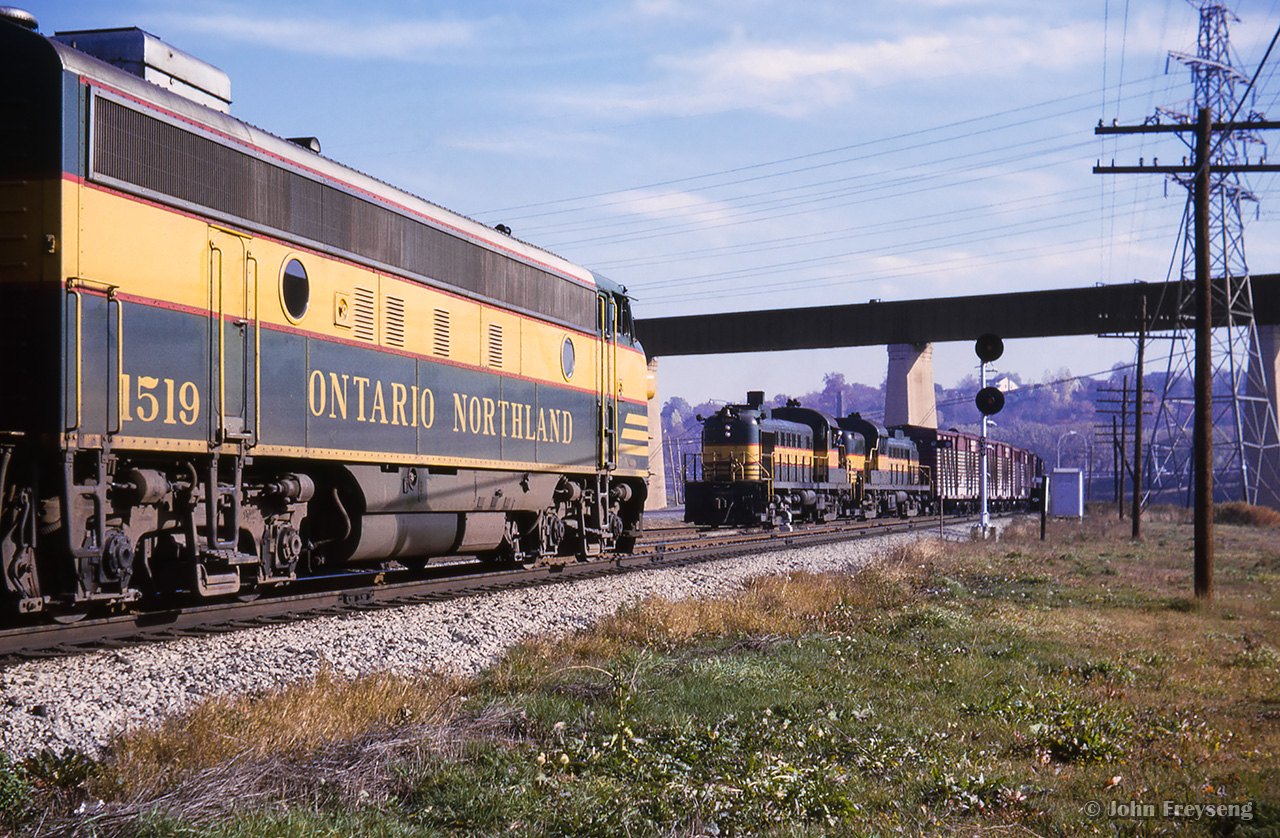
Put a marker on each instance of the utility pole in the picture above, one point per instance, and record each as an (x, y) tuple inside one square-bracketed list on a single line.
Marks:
[(1213, 183), (1139, 406), (1200, 169), (1204, 368), (1120, 433)]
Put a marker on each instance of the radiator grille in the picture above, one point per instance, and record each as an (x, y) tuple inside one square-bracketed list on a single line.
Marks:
[(393, 321), (495, 345), (440, 343), (364, 315), (153, 155)]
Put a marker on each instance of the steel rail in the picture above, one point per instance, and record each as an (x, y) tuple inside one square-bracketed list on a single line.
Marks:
[(388, 589)]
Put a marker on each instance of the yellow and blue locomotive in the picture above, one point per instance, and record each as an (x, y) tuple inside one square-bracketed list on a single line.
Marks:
[(771, 466), (778, 465), (228, 361), (761, 465)]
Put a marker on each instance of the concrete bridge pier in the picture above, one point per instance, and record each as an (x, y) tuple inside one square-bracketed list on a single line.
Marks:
[(909, 398)]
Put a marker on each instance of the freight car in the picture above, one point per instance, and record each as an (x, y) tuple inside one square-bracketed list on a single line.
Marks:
[(953, 459), (771, 466), (228, 361)]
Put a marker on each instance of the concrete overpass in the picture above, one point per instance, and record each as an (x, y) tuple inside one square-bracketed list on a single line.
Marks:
[(909, 328), (1105, 309)]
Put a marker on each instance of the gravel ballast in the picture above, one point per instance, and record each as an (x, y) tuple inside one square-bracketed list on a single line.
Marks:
[(79, 702)]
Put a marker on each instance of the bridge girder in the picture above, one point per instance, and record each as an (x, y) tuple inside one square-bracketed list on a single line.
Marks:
[(1104, 309)]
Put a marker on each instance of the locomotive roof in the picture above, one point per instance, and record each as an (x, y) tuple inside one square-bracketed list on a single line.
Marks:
[(280, 149), (872, 430), (858, 422), (808, 416)]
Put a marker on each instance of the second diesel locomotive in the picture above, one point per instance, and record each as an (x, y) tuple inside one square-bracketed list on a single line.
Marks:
[(777, 465)]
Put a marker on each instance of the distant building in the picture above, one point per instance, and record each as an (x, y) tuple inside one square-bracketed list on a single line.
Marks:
[(1005, 383)]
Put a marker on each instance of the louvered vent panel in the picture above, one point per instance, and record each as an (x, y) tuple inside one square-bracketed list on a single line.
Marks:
[(364, 318), (495, 345), (440, 338), (168, 160), (393, 321)]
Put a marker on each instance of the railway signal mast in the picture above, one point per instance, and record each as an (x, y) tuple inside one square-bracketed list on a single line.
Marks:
[(1214, 290), (989, 401)]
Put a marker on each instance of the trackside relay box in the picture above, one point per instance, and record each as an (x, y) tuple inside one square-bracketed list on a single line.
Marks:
[(1066, 493)]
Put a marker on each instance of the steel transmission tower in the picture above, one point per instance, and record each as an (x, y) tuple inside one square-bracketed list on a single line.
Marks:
[(1245, 439)]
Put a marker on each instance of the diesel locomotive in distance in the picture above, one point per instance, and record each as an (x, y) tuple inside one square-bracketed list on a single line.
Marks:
[(777, 465), (228, 361)]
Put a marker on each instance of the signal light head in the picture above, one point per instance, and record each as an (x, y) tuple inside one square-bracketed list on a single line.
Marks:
[(989, 400), (989, 347)]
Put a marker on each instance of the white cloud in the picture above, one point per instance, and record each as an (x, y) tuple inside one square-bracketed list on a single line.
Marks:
[(403, 40), (661, 9), (531, 143), (798, 77)]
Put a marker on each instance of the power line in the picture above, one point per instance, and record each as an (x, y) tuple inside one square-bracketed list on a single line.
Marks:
[(896, 138), (1074, 247)]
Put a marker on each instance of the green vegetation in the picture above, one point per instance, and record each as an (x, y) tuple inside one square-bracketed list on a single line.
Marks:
[(15, 792), (1041, 688)]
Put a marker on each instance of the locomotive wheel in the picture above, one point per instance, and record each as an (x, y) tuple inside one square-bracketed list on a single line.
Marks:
[(507, 550), (69, 615)]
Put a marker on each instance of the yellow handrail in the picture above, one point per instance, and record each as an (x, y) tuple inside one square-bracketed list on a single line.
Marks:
[(257, 343), (73, 286), (111, 297), (215, 282), (79, 354)]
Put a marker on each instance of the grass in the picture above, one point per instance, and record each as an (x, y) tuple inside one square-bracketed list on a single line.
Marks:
[(1006, 687)]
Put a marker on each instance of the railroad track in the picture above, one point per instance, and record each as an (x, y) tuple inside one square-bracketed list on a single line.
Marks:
[(662, 547)]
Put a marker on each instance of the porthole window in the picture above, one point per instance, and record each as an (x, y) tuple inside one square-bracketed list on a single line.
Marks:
[(567, 358), (295, 290)]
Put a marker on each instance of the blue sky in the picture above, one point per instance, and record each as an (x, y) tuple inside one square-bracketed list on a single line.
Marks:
[(743, 154)]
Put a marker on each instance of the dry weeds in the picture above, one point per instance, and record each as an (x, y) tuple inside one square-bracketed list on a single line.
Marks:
[(1086, 598)]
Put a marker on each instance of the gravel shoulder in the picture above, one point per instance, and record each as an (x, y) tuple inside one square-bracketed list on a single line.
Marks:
[(80, 702)]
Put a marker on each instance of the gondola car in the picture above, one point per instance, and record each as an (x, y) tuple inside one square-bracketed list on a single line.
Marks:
[(228, 361)]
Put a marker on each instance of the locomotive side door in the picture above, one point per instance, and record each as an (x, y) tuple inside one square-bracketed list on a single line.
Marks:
[(768, 443), (607, 313), (233, 312)]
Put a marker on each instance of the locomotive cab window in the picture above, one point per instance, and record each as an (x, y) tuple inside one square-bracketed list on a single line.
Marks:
[(624, 316), (295, 290), (606, 316)]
